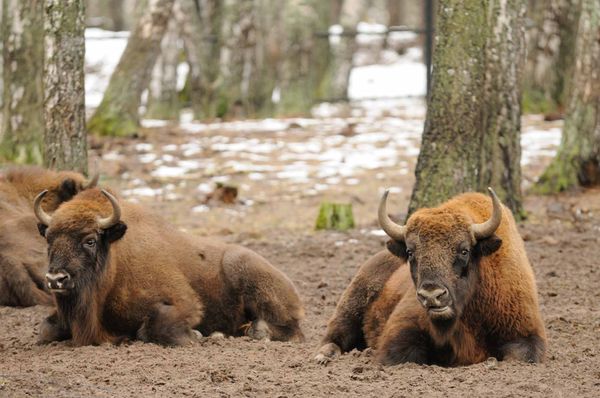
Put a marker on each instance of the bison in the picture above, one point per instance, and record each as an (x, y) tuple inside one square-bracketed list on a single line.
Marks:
[(119, 272), (23, 258), (454, 288)]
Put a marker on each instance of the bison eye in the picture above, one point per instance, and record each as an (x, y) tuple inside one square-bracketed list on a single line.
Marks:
[(464, 252), (91, 243), (409, 253)]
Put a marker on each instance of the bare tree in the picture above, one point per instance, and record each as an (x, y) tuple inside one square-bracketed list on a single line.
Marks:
[(64, 94), (21, 132), (117, 114), (578, 159), (472, 129)]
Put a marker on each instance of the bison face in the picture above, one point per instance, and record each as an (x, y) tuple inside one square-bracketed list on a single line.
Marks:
[(443, 249), (77, 248), (445, 266)]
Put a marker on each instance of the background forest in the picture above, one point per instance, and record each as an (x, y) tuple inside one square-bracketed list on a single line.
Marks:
[(258, 121)]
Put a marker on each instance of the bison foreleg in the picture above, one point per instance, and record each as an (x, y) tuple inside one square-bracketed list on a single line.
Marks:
[(404, 345), (527, 349), (166, 325), (52, 329)]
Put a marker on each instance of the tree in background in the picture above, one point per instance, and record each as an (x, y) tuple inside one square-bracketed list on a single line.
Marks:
[(21, 132), (64, 95), (117, 114), (163, 98), (578, 159), (471, 138), (551, 43)]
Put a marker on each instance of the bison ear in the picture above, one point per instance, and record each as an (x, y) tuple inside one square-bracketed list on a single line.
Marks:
[(115, 232), (487, 246), (42, 228), (68, 189), (398, 249)]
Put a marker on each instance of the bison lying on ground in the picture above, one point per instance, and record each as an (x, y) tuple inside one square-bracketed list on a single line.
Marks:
[(455, 289), (120, 272), (23, 259)]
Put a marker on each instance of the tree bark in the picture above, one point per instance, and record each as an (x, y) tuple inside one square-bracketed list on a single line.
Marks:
[(472, 128), (117, 114), (64, 94), (578, 159), (163, 101), (21, 132), (551, 44)]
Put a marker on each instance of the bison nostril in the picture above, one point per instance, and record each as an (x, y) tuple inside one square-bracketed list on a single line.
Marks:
[(57, 279), (432, 295)]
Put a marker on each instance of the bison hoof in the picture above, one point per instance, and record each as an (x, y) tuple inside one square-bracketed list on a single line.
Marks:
[(259, 330), (217, 335), (197, 334), (327, 352)]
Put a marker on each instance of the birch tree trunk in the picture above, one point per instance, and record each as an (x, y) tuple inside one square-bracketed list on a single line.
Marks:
[(117, 114), (578, 159), (163, 100), (21, 132), (64, 93), (472, 128)]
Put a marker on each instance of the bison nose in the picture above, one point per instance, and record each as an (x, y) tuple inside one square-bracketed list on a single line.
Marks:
[(431, 295), (57, 280)]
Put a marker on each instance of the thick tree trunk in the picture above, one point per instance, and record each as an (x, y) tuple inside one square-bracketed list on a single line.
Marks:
[(117, 114), (64, 94), (551, 44), (578, 158), (21, 132), (163, 101), (471, 136)]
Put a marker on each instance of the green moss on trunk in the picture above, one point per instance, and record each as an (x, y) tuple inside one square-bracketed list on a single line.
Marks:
[(336, 216)]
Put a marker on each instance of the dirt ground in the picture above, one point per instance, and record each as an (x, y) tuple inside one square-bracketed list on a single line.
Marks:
[(562, 237)]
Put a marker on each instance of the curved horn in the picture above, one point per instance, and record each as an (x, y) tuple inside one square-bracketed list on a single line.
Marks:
[(92, 182), (487, 228), (394, 231), (107, 222), (41, 215)]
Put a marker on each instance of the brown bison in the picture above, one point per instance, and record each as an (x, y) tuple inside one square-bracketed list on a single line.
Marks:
[(23, 258), (120, 272), (455, 288)]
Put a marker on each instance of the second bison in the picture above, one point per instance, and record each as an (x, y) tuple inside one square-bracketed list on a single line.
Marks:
[(455, 288), (120, 272)]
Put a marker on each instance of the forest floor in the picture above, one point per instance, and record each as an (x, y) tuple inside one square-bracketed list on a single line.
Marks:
[(284, 169)]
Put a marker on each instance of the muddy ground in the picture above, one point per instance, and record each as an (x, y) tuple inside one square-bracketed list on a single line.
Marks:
[(562, 237)]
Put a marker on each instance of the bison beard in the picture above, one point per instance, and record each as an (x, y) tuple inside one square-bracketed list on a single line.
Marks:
[(156, 287), (454, 288)]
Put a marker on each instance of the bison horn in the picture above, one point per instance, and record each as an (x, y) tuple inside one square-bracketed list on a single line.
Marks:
[(105, 223), (92, 182), (487, 228), (41, 215), (394, 231)]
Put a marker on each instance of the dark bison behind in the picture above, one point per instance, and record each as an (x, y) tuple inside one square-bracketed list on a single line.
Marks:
[(454, 288), (118, 271)]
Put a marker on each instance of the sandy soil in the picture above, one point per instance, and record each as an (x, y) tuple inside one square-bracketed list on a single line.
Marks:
[(562, 238)]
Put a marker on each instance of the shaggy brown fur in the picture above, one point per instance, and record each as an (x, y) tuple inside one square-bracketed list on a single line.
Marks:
[(145, 279), (495, 311), (23, 259)]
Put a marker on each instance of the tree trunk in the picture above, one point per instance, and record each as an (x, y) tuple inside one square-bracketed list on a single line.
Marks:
[(578, 157), (64, 94), (163, 101), (117, 114), (337, 79), (200, 22), (21, 132), (472, 128), (551, 44)]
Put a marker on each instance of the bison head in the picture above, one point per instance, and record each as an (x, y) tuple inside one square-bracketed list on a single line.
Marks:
[(64, 187), (78, 240), (443, 247)]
